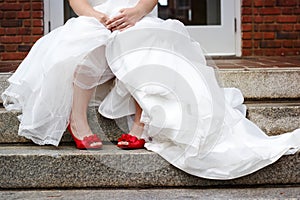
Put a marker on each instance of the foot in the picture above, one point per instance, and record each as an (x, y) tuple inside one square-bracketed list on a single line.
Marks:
[(88, 140), (128, 141)]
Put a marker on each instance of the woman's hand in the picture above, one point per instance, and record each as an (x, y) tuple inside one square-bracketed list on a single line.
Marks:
[(128, 17), (83, 8), (102, 18)]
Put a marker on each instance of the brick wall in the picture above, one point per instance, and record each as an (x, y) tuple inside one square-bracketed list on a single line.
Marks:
[(21, 24), (270, 27)]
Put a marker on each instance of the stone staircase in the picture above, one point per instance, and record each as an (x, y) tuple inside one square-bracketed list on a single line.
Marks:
[(272, 95)]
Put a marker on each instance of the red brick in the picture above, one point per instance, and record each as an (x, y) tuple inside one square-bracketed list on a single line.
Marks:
[(37, 6), (10, 31), (286, 2), (2, 31), (258, 19), (10, 39), (269, 52), (270, 11), (247, 27), (269, 27), (270, 44), (286, 19), (14, 56), (297, 11), (37, 31), (287, 11), (270, 3), (247, 19), (247, 35), (24, 48), (258, 35), (247, 43), (27, 39), (247, 3), (26, 6), (287, 35), (10, 15), (258, 3), (24, 31), (11, 23), (256, 44), (280, 52), (287, 52), (297, 27), (24, 15), (36, 38), (297, 44), (288, 44), (246, 11), (11, 48), (37, 14), (10, 7), (246, 52), (1, 15), (27, 23), (269, 19), (258, 52), (256, 11), (288, 27), (38, 23), (269, 35)]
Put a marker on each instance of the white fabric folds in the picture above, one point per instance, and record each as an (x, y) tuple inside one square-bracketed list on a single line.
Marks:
[(193, 123)]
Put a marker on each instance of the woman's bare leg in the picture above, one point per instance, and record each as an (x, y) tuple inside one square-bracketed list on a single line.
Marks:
[(137, 127), (78, 119)]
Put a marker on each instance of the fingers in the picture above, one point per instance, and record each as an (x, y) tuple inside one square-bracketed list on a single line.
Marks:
[(125, 19), (121, 27), (126, 27), (115, 21)]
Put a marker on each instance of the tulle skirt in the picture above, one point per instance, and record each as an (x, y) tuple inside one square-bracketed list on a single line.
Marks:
[(189, 119)]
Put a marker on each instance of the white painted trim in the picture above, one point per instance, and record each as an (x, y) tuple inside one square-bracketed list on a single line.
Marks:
[(238, 34), (46, 16), (53, 14)]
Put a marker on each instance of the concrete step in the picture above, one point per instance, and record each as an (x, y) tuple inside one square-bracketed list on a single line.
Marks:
[(66, 167), (273, 118), (255, 83), (270, 192)]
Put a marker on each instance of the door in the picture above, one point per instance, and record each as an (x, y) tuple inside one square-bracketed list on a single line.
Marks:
[(215, 24), (210, 22)]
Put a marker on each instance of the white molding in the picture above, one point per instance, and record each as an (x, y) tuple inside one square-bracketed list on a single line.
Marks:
[(46, 16), (53, 14), (238, 34)]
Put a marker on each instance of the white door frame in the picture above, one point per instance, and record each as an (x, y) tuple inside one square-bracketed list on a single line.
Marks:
[(54, 17), (223, 39), (238, 28), (53, 14)]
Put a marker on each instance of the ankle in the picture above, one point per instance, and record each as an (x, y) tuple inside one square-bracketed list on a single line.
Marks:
[(137, 130), (80, 128)]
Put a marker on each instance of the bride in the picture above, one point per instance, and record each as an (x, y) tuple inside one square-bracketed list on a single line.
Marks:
[(181, 112)]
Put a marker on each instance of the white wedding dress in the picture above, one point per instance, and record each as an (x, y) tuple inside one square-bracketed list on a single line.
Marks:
[(189, 119)]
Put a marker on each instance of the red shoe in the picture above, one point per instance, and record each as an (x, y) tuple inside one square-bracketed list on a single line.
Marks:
[(87, 141), (133, 142)]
